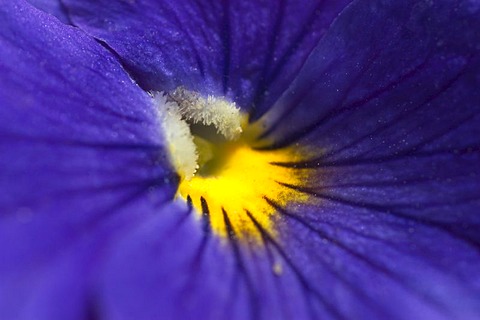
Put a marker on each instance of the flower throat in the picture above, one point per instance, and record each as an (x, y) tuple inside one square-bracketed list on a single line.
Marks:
[(229, 183)]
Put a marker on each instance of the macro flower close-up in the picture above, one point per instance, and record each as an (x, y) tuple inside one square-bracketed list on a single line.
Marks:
[(239, 159)]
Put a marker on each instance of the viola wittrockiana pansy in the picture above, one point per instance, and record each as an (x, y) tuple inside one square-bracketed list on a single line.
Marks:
[(239, 159)]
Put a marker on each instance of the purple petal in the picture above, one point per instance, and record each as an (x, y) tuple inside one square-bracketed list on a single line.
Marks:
[(249, 50), (390, 98), (385, 79), (168, 268), (400, 115), (79, 142), (334, 263), (365, 263)]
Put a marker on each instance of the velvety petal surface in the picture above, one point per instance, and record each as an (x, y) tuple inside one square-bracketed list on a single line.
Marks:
[(79, 143), (169, 268), (53, 7), (390, 100), (247, 50)]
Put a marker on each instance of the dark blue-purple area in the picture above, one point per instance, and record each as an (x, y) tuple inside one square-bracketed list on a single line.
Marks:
[(246, 50), (385, 92)]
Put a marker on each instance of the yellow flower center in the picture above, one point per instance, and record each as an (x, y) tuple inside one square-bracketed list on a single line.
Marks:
[(238, 183), (232, 179)]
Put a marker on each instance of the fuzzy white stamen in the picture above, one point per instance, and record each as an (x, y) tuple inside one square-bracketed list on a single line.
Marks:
[(182, 149), (220, 113)]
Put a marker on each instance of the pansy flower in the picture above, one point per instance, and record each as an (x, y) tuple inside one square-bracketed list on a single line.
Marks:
[(239, 159)]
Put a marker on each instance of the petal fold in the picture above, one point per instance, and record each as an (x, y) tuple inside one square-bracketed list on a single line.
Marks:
[(54, 7)]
